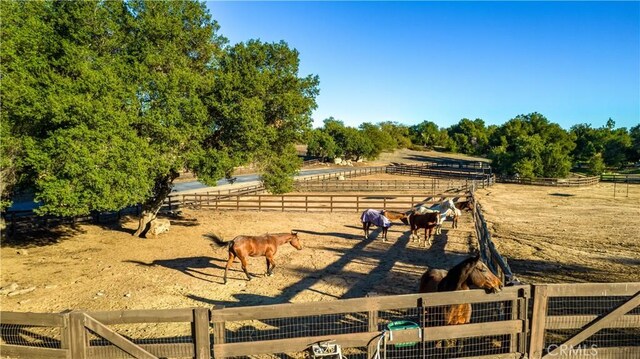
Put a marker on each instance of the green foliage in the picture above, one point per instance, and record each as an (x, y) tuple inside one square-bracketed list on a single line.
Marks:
[(470, 137), (381, 140), (357, 145), (634, 153), (399, 133), (259, 107), (617, 146), (321, 144), (531, 146), (278, 171), (351, 143), (105, 101), (425, 133), (596, 165)]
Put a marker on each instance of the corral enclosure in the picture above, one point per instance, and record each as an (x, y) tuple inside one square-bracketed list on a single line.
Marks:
[(102, 268)]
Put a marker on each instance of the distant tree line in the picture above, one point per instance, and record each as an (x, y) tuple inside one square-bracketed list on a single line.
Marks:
[(527, 145)]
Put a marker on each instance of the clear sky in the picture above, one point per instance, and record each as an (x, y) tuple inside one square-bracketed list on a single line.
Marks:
[(574, 62)]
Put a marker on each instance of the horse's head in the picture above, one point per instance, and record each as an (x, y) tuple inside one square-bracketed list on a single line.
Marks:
[(295, 241), (464, 205), (481, 276)]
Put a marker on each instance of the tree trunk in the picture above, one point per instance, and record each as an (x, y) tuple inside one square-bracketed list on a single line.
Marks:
[(151, 207)]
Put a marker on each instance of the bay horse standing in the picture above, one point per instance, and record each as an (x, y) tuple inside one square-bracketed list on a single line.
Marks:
[(255, 246), (470, 272)]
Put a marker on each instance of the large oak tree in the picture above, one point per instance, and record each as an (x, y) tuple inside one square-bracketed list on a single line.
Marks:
[(105, 102)]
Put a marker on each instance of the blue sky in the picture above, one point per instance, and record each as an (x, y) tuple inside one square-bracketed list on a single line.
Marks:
[(574, 62)]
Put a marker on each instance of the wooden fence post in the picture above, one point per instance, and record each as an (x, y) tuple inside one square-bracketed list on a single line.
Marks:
[(372, 327), (538, 317), (65, 334), (77, 336), (219, 329), (201, 333)]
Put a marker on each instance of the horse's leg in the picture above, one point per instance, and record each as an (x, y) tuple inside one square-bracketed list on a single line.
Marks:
[(243, 260), (365, 228), (426, 238), (273, 264), (384, 234), (232, 257)]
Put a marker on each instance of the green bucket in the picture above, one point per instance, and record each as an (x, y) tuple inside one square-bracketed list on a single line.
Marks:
[(403, 325)]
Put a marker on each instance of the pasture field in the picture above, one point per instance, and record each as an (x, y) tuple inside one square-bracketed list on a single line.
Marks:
[(551, 234)]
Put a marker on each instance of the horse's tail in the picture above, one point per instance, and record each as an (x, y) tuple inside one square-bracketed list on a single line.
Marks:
[(217, 241)]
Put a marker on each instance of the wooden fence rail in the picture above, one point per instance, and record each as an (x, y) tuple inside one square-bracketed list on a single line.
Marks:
[(315, 202), (433, 185), (426, 171), (488, 251), (503, 325), (621, 178), (555, 182)]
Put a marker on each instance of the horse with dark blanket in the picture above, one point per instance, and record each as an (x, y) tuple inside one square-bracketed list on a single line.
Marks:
[(372, 216)]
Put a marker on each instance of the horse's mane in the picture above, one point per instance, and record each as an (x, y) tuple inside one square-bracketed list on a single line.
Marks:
[(457, 275)]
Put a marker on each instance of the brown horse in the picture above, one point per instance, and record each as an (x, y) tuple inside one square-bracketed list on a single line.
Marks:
[(255, 246), (394, 215), (428, 221), (464, 205), (470, 272)]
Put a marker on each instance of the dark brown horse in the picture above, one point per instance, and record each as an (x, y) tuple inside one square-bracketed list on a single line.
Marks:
[(471, 272), (428, 221), (464, 205), (255, 246)]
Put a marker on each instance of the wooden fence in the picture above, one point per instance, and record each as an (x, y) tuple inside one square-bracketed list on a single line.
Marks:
[(434, 185), (621, 178), (482, 179), (565, 320), (314, 202), (488, 251), (555, 182)]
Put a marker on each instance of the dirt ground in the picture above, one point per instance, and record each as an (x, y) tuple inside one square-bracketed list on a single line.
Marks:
[(94, 267), (555, 234), (547, 235)]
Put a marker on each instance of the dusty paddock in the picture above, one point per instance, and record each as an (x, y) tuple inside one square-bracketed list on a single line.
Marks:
[(547, 234), (557, 234), (105, 268)]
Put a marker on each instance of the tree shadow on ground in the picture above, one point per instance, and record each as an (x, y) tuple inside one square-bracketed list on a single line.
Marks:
[(191, 266), (30, 237), (329, 234), (623, 260), (543, 271)]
